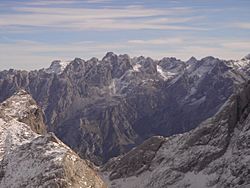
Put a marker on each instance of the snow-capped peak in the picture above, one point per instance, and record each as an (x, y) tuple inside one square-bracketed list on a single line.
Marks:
[(57, 67)]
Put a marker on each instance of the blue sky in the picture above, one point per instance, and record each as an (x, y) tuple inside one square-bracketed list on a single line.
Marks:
[(34, 33)]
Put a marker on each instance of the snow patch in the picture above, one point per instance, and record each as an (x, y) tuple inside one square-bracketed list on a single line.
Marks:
[(241, 63), (57, 67), (131, 182), (165, 75), (197, 180), (136, 67)]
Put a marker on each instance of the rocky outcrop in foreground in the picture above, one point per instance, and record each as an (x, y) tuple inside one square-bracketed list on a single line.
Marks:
[(215, 154), (30, 157)]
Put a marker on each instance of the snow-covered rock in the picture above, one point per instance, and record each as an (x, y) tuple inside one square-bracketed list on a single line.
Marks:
[(215, 154), (57, 67), (166, 75), (29, 159)]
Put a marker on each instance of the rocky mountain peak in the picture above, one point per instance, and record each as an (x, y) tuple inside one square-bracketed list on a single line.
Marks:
[(94, 59), (124, 56), (209, 60), (28, 159), (57, 66), (138, 59), (78, 60), (206, 65), (110, 56), (171, 63), (192, 60)]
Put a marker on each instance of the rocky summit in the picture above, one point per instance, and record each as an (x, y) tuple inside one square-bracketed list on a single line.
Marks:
[(30, 157), (215, 154), (103, 108)]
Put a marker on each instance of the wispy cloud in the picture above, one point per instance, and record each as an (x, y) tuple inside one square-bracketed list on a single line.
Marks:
[(98, 1), (38, 3), (242, 25), (47, 3), (239, 45), (158, 41), (39, 31), (125, 18)]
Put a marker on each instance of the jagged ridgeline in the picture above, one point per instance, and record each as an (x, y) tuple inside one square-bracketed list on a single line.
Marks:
[(103, 108), (215, 154)]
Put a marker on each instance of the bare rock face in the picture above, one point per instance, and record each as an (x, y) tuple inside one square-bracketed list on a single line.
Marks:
[(103, 108), (136, 161), (28, 159), (215, 154)]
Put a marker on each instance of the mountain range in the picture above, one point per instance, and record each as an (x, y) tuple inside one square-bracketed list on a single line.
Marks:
[(103, 108), (147, 123)]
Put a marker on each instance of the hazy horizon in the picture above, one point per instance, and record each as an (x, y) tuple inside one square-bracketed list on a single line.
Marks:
[(34, 33)]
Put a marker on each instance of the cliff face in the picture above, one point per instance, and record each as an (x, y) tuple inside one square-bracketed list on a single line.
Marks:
[(215, 154), (29, 159), (102, 108)]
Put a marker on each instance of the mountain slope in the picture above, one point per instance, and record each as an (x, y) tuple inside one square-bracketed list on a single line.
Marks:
[(102, 108), (28, 159), (215, 154)]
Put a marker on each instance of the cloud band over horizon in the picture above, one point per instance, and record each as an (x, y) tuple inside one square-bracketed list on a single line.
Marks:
[(33, 33)]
